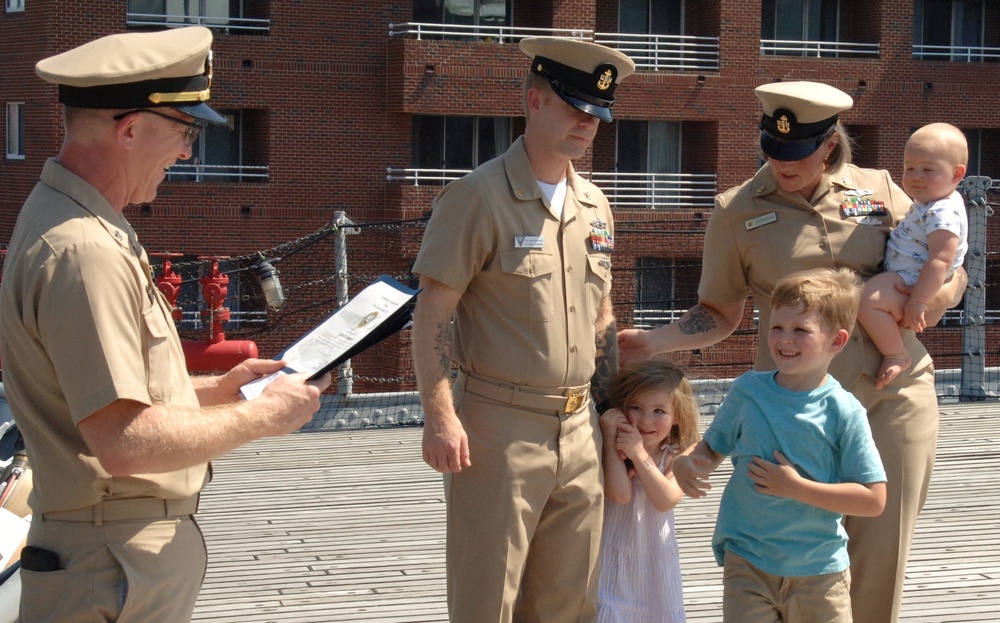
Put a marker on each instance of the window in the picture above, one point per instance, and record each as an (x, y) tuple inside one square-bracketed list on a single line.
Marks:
[(788, 24), (15, 5), (649, 146), (974, 137), (15, 130), (230, 14), (949, 30), (488, 13), (235, 152), (461, 143), (665, 288), (648, 163), (651, 17)]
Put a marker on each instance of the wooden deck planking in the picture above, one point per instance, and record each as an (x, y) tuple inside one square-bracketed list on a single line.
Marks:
[(348, 526)]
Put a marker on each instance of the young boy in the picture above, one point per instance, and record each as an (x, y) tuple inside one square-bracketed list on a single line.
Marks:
[(924, 249), (803, 456)]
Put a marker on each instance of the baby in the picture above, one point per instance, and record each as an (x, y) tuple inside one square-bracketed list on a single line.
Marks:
[(925, 247)]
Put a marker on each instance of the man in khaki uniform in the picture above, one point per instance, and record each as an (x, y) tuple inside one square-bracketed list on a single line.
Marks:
[(809, 207), (118, 434), (518, 252)]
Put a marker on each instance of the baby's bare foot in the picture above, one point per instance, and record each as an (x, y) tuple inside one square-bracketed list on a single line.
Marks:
[(891, 366)]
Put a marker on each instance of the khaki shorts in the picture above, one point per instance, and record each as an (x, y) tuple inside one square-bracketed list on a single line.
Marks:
[(750, 595)]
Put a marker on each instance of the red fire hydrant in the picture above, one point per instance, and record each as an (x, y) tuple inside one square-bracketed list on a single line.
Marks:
[(214, 287), (169, 283), (215, 353)]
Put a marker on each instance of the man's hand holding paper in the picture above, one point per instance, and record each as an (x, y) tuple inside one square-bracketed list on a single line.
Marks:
[(378, 311)]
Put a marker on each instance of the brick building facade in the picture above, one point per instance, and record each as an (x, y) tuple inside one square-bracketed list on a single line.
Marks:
[(326, 97)]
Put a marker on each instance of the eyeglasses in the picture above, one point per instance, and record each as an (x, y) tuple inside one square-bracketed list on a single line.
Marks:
[(190, 134)]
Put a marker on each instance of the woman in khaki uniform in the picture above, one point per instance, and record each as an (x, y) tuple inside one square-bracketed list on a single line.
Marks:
[(809, 207)]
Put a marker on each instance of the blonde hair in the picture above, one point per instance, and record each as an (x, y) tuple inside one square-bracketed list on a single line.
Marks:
[(946, 140), (843, 151), (834, 293), (649, 375)]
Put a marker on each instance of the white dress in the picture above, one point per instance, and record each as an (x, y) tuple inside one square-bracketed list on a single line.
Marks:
[(640, 566)]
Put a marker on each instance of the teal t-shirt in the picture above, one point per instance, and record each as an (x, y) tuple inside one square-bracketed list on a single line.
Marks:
[(825, 435)]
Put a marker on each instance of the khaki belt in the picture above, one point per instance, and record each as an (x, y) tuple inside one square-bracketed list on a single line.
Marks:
[(569, 399), (124, 510)]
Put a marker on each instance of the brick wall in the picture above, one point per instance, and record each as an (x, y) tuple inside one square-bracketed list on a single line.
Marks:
[(336, 95)]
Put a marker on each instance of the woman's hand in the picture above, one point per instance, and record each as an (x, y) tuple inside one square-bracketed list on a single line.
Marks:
[(633, 344)]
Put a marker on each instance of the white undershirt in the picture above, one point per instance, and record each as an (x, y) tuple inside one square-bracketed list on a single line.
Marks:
[(556, 194)]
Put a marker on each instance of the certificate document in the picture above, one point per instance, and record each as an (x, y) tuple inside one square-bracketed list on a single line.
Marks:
[(378, 311)]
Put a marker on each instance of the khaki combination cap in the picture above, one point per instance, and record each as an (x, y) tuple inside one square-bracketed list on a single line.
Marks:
[(798, 117), (583, 74), (138, 70)]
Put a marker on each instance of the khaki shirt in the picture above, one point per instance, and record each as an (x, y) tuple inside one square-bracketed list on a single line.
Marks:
[(81, 326), (528, 305), (758, 233)]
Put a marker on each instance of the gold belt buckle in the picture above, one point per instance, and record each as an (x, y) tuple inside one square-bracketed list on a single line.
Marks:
[(574, 402)]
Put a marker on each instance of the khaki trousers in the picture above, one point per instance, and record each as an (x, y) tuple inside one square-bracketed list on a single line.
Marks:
[(904, 423), (524, 522), (133, 571)]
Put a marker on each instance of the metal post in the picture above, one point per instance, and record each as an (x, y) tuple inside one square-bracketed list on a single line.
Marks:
[(974, 334), (345, 379)]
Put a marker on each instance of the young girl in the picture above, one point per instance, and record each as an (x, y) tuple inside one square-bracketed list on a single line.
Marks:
[(655, 416)]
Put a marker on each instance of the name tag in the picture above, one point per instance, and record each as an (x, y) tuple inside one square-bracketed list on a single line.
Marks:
[(529, 242), (754, 223)]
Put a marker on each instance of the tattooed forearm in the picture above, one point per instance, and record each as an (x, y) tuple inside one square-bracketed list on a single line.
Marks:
[(442, 347), (607, 363), (698, 321)]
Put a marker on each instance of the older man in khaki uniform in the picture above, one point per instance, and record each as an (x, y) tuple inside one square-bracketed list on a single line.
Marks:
[(118, 434), (809, 207), (519, 253)]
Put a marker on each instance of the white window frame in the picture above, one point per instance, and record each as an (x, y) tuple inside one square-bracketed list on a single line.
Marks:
[(15, 6), (15, 130)]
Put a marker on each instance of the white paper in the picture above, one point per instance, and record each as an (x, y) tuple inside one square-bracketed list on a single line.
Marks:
[(339, 333)]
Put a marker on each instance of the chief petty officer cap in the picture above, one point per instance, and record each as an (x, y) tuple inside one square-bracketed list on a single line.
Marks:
[(138, 70), (583, 74), (798, 117)]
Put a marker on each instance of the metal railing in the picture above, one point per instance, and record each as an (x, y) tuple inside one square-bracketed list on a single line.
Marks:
[(656, 52), (792, 47), (483, 32), (194, 321), (958, 54), (657, 190), (665, 52), (171, 20), (650, 318), (423, 177), (217, 173), (623, 190)]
